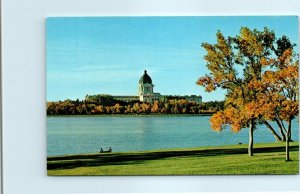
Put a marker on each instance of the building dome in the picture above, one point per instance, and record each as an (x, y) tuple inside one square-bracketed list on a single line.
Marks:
[(145, 79)]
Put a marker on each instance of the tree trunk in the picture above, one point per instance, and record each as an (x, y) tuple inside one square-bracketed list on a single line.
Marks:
[(276, 136), (290, 133), (281, 129), (287, 142), (250, 146)]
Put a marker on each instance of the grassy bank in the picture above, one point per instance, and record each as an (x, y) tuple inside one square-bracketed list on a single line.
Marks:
[(268, 159)]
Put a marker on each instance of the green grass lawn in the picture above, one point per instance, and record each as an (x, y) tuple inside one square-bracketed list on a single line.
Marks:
[(267, 159)]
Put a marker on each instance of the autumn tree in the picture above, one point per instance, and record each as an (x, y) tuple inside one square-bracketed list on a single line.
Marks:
[(155, 107), (145, 108), (235, 63), (279, 89)]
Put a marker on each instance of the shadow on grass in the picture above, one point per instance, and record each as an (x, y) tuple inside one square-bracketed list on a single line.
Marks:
[(74, 161)]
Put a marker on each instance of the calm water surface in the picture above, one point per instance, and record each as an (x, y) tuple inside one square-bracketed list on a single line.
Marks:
[(86, 134)]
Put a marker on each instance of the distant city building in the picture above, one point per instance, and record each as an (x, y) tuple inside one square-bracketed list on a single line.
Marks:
[(145, 87), (147, 94), (126, 98)]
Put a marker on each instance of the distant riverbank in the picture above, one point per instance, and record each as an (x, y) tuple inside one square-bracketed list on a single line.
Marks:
[(131, 115), (107, 105)]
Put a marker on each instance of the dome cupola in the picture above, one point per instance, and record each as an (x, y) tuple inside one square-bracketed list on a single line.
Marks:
[(145, 79)]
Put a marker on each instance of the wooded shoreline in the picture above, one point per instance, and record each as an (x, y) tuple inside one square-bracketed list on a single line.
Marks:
[(133, 115), (106, 104)]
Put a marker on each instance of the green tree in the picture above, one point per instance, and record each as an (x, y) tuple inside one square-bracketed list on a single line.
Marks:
[(101, 99)]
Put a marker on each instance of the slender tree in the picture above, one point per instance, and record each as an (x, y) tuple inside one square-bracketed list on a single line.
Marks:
[(279, 89)]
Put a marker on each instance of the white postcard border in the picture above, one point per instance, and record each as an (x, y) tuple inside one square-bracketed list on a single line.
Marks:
[(24, 89)]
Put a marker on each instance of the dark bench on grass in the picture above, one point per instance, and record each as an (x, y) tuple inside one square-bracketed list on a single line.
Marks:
[(107, 151)]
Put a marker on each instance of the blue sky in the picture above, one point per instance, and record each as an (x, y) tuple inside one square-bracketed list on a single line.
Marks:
[(108, 55)]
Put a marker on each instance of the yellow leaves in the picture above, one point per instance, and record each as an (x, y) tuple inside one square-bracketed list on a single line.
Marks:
[(236, 127), (98, 109), (217, 121), (266, 62), (267, 105), (203, 81), (251, 110), (289, 72), (268, 76), (145, 108), (231, 76), (289, 109), (286, 57), (222, 45), (207, 82), (249, 43), (255, 84), (235, 118), (210, 87), (231, 116), (155, 107), (218, 77), (269, 83)]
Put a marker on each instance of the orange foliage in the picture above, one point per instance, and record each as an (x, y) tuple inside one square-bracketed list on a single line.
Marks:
[(268, 88)]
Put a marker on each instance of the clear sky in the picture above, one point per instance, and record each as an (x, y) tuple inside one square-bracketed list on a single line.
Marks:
[(108, 55)]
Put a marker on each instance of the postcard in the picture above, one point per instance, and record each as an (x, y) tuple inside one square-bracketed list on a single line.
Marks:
[(185, 95)]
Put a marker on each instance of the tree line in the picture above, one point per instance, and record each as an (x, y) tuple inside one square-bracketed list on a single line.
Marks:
[(106, 104), (260, 73)]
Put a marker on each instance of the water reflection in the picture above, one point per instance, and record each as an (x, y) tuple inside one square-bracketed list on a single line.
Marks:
[(86, 134)]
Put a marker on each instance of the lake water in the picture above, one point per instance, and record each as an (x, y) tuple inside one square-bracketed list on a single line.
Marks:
[(86, 134)]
